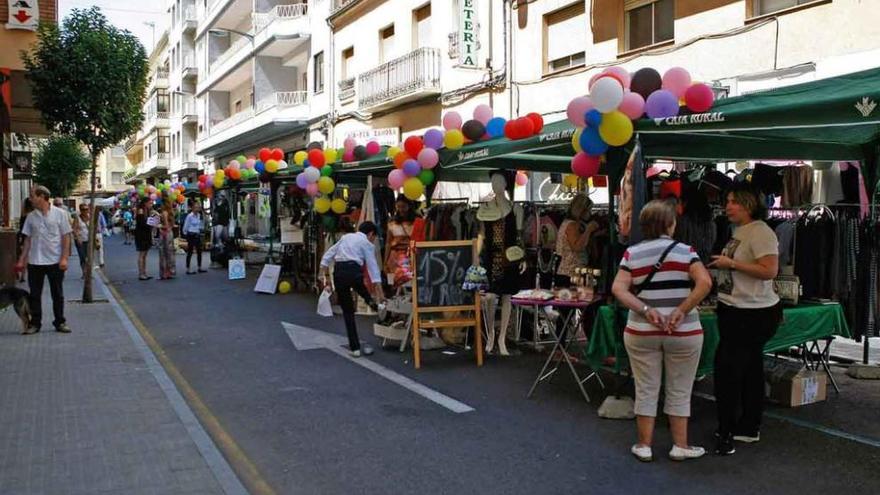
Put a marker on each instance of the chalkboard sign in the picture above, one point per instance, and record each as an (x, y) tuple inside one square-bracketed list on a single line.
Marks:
[(440, 271)]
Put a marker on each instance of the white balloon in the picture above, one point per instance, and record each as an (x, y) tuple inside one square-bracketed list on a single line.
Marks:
[(312, 174), (606, 94)]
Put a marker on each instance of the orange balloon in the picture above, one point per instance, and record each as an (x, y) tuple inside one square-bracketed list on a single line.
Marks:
[(400, 158)]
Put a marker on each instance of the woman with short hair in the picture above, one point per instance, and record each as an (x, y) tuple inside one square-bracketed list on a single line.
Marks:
[(143, 236)]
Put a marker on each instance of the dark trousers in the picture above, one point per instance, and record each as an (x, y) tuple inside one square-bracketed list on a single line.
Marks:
[(193, 242), (82, 250), (739, 366), (348, 276), (36, 273)]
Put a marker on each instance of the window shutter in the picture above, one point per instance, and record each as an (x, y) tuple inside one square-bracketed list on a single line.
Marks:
[(634, 4), (566, 33)]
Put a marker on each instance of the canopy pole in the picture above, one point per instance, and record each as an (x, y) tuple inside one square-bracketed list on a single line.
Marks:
[(869, 170)]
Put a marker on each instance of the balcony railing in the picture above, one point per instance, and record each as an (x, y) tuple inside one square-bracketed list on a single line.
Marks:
[(188, 107), (279, 13), (130, 173), (232, 50), (189, 67), (346, 89), (283, 99), (130, 142), (415, 72), (222, 125), (162, 73)]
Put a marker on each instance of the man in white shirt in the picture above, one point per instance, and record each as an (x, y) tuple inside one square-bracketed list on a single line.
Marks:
[(349, 255), (46, 247)]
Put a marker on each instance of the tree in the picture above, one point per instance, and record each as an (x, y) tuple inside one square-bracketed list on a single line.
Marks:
[(89, 81), (60, 163)]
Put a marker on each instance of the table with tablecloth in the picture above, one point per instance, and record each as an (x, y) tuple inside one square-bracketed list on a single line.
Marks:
[(801, 324)]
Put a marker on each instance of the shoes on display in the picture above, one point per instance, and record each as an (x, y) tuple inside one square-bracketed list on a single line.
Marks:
[(681, 454), (642, 453)]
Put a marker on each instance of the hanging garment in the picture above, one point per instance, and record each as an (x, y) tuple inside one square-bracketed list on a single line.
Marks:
[(814, 251), (698, 234), (797, 186), (498, 236), (767, 179), (785, 234)]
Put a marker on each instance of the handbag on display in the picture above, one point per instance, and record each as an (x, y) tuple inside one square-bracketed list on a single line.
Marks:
[(788, 288)]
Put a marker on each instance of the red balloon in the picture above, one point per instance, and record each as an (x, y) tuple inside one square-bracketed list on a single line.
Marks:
[(265, 155), (526, 127), (413, 145), (316, 158), (537, 121), (699, 98), (400, 158), (510, 129), (203, 178), (278, 154), (584, 165)]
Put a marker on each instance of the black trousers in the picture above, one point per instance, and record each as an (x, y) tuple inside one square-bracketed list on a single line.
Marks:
[(193, 242), (348, 276), (36, 273), (739, 366)]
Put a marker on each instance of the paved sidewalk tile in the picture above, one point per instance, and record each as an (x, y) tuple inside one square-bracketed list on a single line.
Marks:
[(83, 414)]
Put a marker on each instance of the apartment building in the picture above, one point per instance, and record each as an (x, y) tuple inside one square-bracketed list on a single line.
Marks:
[(109, 174), (183, 78)]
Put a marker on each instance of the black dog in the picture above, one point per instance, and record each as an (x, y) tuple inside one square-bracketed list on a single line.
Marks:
[(18, 299)]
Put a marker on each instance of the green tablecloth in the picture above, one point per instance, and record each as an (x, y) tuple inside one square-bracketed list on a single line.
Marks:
[(801, 324)]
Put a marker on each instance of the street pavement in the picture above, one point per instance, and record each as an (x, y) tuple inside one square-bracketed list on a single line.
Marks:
[(312, 421)]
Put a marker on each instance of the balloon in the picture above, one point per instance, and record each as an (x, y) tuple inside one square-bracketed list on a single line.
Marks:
[(316, 158), (322, 205), (393, 151), (349, 143), (593, 118), (413, 145), (473, 130), (570, 181), (510, 129), (271, 166), (537, 121), (312, 175), (338, 206), (676, 80), (241, 159), (300, 157), (326, 185), (699, 97), (234, 164), (591, 143), (282, 165), (521, 178), (219, 180), (302, 180), (483, 114), (576, 140), (645, 81), (616, 128), (326, 171), (452, 120), (312, 190), (584, 165), (219, 173), (620, 74), (250, 163), (606, 94), (396, 178), (260, 167), (576, 110), (360, 152), (413, 188), (201, 186), (400, 159), (348, 156), (330, 156), (284, 287), (265, 154), (495, 127), (661, 104), (453, 139), (633, 105), (411, 168), (373, 148), (433, 139), (277, 154), (428, 158), (426, 177), (525, 127)]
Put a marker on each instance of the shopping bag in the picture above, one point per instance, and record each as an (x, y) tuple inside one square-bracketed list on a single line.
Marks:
[(324, 307), (236, 269)]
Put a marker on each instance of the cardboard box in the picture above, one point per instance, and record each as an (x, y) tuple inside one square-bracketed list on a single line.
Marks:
[(789, 383)]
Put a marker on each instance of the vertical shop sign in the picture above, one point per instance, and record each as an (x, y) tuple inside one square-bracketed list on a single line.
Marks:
[(467, 32), (23, 14)]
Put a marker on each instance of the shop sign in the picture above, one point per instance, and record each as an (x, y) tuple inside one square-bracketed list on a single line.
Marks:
[(699, 118), (22, 164), (471, 155), (548, 192), (467, 33), (23, 14), (385, 136), (556, 136)]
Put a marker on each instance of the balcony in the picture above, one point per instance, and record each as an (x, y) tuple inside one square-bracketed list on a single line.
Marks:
[(219, 126), (275, 115), (155, 120), (131, 142), (189, 19), (156, 165), (283, 99), (233, 50), (189, 68), (280, 13), (188, 112), (129, 175), (346, 89), (411, 77), (158, 81)]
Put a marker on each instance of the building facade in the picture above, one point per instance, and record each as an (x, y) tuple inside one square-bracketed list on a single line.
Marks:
[(109, 175)]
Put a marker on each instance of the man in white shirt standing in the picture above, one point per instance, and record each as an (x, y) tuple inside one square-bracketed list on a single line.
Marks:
[(349, 255), (46, 247)]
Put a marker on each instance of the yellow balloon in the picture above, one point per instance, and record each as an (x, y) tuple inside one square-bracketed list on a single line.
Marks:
[(413, 188), (392, 151), (219, 180), (299, 157), (330, 155), (576, 140), (284, 287), (616, 128), (322, 205), (453, 139), (326, 185), (271, 166), (220, 173), (338, 206), (570, 181)]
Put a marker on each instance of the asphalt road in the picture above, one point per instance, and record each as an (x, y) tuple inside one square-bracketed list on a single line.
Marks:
[(312, 422)]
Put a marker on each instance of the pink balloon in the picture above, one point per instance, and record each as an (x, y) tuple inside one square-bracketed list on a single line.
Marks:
[(584, 165), (521, 179), (312, 189), (234, 164), (250, 163), (699, 98), (483, 114), (452, 120), (372, 148), (428, 158), (349, 144), (577, 108), (396, 178), (348, 156), (633, 105), (620, 74), (676, 81)]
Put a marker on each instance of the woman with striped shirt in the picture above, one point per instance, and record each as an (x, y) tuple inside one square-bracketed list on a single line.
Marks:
[(662, 281)]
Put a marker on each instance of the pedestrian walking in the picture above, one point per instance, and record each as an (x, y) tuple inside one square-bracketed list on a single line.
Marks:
[(193, 227), (26, 209), (100, 232), (749, 313), (349, 256), (81, 236), (127, 226), (167, 262), (143, 236), (45, 253), (663, 335)]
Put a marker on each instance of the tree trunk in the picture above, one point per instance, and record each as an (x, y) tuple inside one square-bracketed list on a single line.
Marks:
[(93, 222)]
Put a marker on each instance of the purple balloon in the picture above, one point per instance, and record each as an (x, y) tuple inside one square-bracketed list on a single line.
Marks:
[(302, 181), (661, 104), (411, 168), (433, 139)]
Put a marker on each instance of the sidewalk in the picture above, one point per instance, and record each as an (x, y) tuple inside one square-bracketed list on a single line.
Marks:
[(93, 412)]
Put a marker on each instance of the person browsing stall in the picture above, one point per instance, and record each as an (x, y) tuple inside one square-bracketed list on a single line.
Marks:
[(349, 255)]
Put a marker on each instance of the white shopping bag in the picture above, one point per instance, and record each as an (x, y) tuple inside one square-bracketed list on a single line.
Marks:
[(324, 308)]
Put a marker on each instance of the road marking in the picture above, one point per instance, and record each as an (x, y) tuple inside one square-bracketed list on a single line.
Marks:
[(203, 427), (305, 339)]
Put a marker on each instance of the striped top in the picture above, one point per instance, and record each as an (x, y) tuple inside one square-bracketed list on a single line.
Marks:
[(670, 286)]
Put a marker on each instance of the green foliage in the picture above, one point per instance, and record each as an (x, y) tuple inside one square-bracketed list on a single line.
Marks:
[(60, 163), (89, 79)]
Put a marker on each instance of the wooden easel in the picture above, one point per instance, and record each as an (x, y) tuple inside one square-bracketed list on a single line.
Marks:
[(472, 320)]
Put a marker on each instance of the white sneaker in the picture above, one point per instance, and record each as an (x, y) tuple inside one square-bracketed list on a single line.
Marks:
[(748, 438), (679, 454), (642, 453)]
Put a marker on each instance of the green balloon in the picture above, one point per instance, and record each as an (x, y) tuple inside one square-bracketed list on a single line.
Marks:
[(326, 171), (241, 159), (426, 176)]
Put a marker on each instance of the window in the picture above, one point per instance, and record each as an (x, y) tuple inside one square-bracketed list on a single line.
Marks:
[(648, 22), (237, 106), (162, 100), (762, 7), (116, 178), (386, 44), (422, 26), (319, 72), (565, 35), (347, 61)]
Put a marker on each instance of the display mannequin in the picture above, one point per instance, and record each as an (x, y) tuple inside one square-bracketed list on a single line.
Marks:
[(498, 232)]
